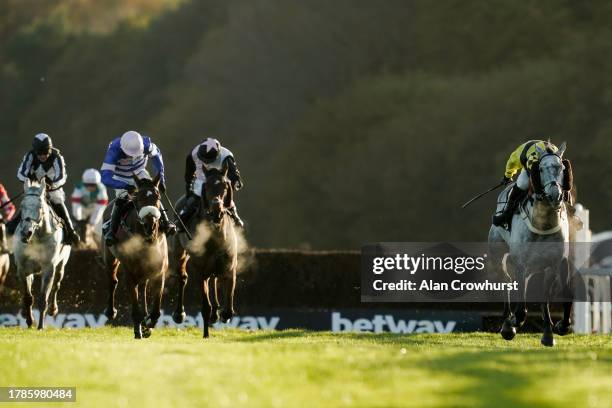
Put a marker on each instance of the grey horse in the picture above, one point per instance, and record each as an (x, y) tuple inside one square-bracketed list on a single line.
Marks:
[(536, 243), (38, 248)]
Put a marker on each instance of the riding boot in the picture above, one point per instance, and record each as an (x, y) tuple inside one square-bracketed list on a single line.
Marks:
[(11, 226), (166, 225), (190, 208), (234, 214), (70, 237), (115, 218), (514, 198)]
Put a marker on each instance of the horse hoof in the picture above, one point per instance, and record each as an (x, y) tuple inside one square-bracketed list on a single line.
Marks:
[(508, 334), (111, 314), (53, 312), (547, 340), (508, 331), (226, 316), (214, 317), (146, 332), (179, 317), (561, 328)]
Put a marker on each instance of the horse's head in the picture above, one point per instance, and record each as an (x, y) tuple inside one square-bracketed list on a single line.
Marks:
[(217, 189), (549, 178), (32, 210), (148, 204)]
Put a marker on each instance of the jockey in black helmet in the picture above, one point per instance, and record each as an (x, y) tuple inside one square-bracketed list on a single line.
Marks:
[(46, 162), (206, 156)]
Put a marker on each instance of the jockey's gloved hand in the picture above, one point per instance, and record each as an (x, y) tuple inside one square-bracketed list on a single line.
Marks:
[(237, 185), (506, 180)]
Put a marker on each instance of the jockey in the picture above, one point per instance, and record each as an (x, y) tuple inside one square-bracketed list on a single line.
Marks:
[(521, 161), (7, 212), (89, 198), (128, 155), (46, 162), (206, 156)]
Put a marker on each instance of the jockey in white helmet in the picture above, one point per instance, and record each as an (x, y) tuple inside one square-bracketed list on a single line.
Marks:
[(89, 198), (128, 155)]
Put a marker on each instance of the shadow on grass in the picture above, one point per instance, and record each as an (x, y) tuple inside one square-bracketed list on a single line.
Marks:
[(275, 335)]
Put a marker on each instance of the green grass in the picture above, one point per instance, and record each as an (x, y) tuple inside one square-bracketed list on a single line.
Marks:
[(298, 368)]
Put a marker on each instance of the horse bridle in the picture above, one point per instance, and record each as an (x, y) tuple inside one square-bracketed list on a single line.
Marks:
[(214, 200), (141, 220), (40, 210), (542, 196)]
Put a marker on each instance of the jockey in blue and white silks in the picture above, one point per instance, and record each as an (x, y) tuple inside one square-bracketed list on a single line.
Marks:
[(46, 163), (128, 155)]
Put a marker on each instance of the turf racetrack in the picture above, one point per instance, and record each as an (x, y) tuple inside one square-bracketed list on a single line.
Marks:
[(296, 368)]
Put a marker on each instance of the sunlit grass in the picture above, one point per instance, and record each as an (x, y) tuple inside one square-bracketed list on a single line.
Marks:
[(299, 368)]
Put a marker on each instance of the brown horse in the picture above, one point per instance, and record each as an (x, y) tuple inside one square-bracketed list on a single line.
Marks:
[(142, 252), (213, 252)]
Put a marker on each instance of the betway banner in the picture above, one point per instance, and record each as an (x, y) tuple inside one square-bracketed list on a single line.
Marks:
[(348, 320)]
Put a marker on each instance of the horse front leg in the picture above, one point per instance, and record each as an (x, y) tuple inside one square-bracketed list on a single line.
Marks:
[(57, 282), (547, 335), (111, 270), (48, 276), (228, 285), (508, 331), (157, 291), (137, 314), (547, 324), (28, 299), (179, 314), (520, 304), (214, 300), (564, 326), (144, 307), (206, 307)]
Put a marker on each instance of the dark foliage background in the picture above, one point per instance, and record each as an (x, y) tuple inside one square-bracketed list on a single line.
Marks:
[(352, 121)]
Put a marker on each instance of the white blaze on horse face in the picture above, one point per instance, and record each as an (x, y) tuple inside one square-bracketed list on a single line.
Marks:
[(149, 210)]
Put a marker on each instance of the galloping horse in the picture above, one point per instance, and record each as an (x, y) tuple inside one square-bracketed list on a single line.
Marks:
[(38, 247), (142, 252), (213, 252), (537, 243)]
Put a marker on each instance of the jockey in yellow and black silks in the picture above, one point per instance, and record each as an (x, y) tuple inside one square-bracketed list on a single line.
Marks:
[(520, 161)]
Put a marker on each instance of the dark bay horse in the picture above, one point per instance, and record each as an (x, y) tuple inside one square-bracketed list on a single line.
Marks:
[(213, 253), (142, 252)]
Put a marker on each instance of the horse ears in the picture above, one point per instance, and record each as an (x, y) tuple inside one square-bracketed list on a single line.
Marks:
[(156, 180), (136, 179), (562, 149), (540, 150)]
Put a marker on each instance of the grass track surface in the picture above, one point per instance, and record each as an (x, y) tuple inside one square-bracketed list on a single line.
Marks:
[(177, 368)]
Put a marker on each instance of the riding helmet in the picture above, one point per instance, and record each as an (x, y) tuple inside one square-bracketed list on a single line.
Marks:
[(132, 144), (42, 144), (209, 151), (91, 176)]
